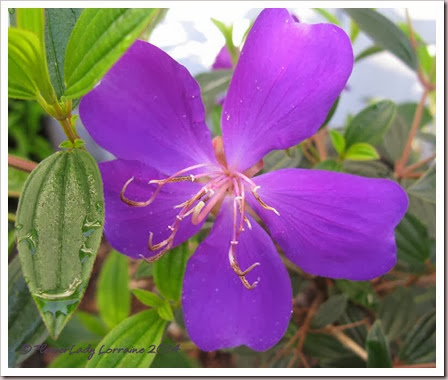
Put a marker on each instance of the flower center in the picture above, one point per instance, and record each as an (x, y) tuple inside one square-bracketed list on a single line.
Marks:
[(218, 182)]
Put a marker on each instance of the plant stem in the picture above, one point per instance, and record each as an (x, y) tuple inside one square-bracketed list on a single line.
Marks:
[(350, 344), (20, 163), (400, 164), (418, 164)]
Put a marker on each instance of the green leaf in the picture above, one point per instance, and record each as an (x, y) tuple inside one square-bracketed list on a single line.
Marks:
[(59, 23), (148, 298), (385, 34), (75, 359), (213, 84), (338, 140), (59, 226), (425, 187), (227, 32), (371, 124), (354, 313), (323, 346), (331, 112), (373, 169), (144, 269), (413, 243), (165, 311), (173, 358), (16, 180), (368, 52), (361, 152), (169, 272), (422, 199), (278, 159), (377, 348), (360, 292), (92, 322), (32, 19), (113, 295), (354, 31), (99, 39), (395, 139), (330, 311), (25, 325), (397, 312), (420, 343), (328, 16), (139, 332), (331, 165)]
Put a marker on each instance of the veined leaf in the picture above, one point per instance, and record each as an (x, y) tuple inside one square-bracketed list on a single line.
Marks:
[(330, 311), (378, 348), (420, 343), (169, 272), (27, 70), (59, 225), (139, 331), (113, 295), (368, 52), (32, 19), (25, 325), (59, 23), (99, 39), (370, 125), (385, 34)]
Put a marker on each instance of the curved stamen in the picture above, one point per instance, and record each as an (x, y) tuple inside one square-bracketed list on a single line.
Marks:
[(202, 214), (263, 203), (190, 177), (131, 202)]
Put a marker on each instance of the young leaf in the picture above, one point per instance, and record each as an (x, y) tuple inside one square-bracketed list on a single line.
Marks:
[(377, 348), (99, 39), (165, 311), (354, 31), (227, 32), (139, 331), (385, 34), (420, 343), (148, 298), (114, 298), (330, 311), (338, 140), (59, 226), (25, 325), (169, 272), (32, 19), (59, 23), (361, 152), (370, 125)]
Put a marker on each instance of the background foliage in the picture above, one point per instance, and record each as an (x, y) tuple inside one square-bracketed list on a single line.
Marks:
[(54, 59)]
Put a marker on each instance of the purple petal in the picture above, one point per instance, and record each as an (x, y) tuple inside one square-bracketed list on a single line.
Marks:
[(148, 108), (223, 60), (333, 224), (287, 77), (219, 311), (127, 228)]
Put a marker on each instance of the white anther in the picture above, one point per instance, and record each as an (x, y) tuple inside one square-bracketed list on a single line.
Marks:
[(171, 228), (256, 188), (239, 198), (234, 242), (192, 177), (179, 218)]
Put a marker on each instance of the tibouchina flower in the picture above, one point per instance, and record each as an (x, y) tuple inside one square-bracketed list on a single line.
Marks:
[(169, 176)]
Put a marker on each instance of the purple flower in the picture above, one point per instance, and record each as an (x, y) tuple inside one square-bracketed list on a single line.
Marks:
[(148, 112), (223, 60)]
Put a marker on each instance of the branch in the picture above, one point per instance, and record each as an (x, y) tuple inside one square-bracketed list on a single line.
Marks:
[(350, 344), (21, 164)]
